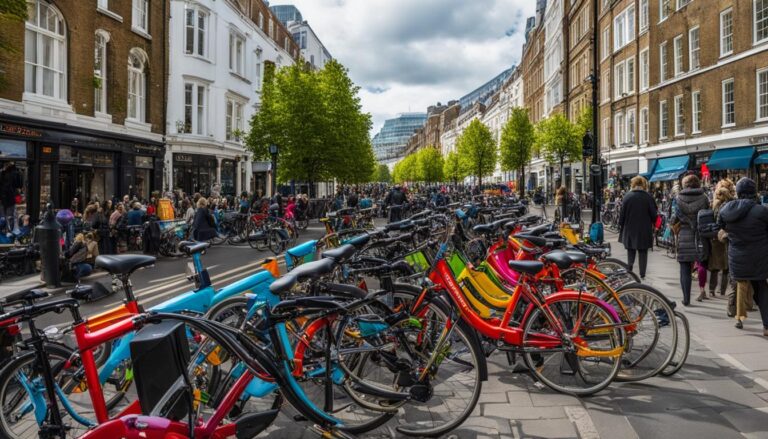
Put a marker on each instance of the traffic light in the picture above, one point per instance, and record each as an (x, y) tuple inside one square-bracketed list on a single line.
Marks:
[(586, 146)]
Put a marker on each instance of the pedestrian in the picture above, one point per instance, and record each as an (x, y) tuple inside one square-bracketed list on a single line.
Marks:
[(135, 217), (690, 201), (718, 255), (77, 256), (203, 225), (745, 221), (352, 199), (10, 190), (561, 201), (636, 220), (394, 202)]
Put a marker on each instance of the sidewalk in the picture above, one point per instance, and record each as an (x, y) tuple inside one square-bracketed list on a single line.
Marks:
[(16, 284)]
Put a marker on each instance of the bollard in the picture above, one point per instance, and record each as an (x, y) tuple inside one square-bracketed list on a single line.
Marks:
[(48, 235)]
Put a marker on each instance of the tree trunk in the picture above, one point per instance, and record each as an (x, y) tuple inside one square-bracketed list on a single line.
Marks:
[(562, 174), (521, 181)]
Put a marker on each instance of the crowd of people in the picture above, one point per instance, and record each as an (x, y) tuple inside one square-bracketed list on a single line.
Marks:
[(722, 240)]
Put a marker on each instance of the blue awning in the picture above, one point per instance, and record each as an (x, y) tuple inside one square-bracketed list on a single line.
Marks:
[(651, 167), (670, 168), (762, 159), (731, 158)]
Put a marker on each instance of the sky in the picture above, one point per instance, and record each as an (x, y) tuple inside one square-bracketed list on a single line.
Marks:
[(409, 54)]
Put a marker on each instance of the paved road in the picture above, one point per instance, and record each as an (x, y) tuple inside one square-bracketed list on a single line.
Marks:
[(722, 392)]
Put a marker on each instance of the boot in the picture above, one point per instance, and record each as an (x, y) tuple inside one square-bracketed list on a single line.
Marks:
[(702, 296)]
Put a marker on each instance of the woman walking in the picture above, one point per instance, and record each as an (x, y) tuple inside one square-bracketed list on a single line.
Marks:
[(689, 201), (718, 255), (636, 219), (746, 223)]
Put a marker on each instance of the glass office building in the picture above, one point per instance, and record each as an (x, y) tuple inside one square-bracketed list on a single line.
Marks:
[(390, 142), (286, 13)]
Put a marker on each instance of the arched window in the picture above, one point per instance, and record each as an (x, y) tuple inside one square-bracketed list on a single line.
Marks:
[(100, 71), (137, 61), (45, 51)]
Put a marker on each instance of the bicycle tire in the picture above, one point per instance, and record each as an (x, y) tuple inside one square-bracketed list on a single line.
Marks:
[(608, 266), (682, 347), (275, 241)]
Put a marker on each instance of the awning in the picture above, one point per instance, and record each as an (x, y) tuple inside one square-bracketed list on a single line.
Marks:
[(670, 168), (731, 158), (762, 159), (651, 167)]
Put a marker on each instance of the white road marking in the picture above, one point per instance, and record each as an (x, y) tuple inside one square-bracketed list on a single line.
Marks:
[(583, 422)]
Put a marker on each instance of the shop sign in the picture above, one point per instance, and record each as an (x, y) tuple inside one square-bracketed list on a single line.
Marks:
[(147, 149), (182, 158), (13, 149), (19, 130), (144, 162), (758, 140)]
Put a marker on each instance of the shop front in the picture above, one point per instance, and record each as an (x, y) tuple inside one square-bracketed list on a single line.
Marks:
[(194, 173), (732, 163), (260, 180), (59, 163), (668, 169)]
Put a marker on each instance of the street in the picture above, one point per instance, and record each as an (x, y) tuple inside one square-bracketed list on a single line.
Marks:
[(721, 392)]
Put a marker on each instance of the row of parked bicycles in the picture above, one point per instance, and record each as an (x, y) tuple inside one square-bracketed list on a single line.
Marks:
[(366, 327)]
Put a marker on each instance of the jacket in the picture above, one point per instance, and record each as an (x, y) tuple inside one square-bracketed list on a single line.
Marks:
[(10, 183), (718, 255), (636, 220), (746, 222), (203, 226), (689, 203)]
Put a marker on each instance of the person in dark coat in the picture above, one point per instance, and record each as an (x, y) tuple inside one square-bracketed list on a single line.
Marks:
[(10, 185), (203, 226), (394, 202), (746, 223), (690, 201), (636, 221)]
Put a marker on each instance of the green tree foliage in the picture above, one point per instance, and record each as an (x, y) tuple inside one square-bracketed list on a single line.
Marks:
[(407, 169), (516, 146), (12, 12), (430, 164), (453, 169), (477, 150), (584, 120), (381, 174), (558, 139), (315, 119)]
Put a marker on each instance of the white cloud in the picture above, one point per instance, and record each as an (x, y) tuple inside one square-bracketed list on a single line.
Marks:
[(409, 54)]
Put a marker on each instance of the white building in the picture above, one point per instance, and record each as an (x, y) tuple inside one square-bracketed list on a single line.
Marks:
[(312, 49), (217, 56), (553, 55)]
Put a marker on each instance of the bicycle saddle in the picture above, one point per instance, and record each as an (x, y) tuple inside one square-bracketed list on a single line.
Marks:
[(340, 254), (577, 257), (539, 230), (527, 267), (537, 241), (310, 270), (485, 229), (124, 264), (192, 247), (559, 258)]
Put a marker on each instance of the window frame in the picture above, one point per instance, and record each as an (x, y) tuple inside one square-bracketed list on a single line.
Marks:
[(629, 76), (198, 126), (723, 102), (140, 94), (663, 120), (100, 94), (619, 127), (233, 103), (631, 122), (619, 80), (724, 53), (664, 13), (691, 50), (759, 72), (663, 65), (624, 37), (139, 22), (679, 116), (237, 59), (645, 69), (606, 46), (644, 12), (59, 55), (196, 46), (755, 41), (644, 126), (679, 59), (696, 112)]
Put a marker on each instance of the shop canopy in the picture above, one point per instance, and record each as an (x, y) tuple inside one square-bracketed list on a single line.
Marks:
[(670, 168), (762, 159), (651, 165), (731, 158)]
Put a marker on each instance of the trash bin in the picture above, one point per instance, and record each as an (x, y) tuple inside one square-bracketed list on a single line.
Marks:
[(48, 235)]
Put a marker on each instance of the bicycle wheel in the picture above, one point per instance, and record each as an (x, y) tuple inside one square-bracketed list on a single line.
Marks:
[(590, 363), (275, 242), (681, 347), (618, 271), (652, 334), (23, 395)]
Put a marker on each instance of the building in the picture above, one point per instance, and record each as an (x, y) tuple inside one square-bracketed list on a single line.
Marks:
[(485, 91), (218, 52), (439, 118), (389, 143), (313, 52), (553, 57), (83, 110)]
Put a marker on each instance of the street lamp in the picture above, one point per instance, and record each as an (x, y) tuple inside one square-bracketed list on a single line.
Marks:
[(273, 152)]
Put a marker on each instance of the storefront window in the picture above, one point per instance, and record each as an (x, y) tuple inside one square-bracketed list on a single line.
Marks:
[(228, 177), (143, 178)]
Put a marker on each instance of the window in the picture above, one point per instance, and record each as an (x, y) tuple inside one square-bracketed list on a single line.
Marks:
[(663, 126), (630, 68), (139, 21), (258, 74), (681, 3), (606, 86), (261, 21), (286, 44), (694, 48), (234, 118), (136, 85), (696, 112), (195, 34), (624, 28), (606, 43), (631, 127), (664, 8), (271, 29), (644, 126), (606, 129), (761, 20), (619, 80), (663, 62), (195, 114), (619, 129), (236, 53), (100, 72), (677, 45), (45, 51), (643, 15), (726, 32), (679, 119), (762, 94), (103, 4), (644, 70), (729, 108)]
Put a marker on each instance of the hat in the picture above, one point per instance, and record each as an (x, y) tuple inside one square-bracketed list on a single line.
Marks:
[(746, 186)]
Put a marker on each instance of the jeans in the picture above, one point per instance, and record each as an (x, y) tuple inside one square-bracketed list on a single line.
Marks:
[(685, 281), (760, 288), (395, 213), (643, 260), (81, 270)]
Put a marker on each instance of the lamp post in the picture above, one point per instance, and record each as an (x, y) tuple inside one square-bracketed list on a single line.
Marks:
[(273, 152), (597, 184)]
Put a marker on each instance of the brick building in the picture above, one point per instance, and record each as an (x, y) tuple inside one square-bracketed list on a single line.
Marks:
[(83, 110), (439, 120)]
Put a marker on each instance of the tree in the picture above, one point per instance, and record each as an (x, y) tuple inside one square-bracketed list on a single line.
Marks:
[(477, 150), (381, 174), (516, 146), (407, 169), (559, 140), (453, 169), (12, 13), (430, 163), (584, 120)]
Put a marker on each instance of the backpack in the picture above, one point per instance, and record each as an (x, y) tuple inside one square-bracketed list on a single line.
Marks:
[(706, 224), (596, 233)]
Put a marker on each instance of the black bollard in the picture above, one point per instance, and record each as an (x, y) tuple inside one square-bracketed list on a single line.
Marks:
[(48, 235)]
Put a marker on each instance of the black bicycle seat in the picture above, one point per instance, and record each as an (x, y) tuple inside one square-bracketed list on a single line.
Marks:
[(124, 264), (559, 258), (527, 267), (340, 254)]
